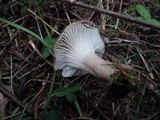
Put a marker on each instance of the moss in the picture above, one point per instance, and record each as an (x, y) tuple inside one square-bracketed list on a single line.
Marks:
[(123, 82)]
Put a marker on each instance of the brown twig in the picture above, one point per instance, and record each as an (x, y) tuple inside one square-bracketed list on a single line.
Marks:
[(14, 99), (114, 14)]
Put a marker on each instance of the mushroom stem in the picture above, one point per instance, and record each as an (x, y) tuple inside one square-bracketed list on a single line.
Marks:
[(98, 67)]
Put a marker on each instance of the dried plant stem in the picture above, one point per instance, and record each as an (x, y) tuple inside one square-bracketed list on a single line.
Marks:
[(120, 8), (114, 14)]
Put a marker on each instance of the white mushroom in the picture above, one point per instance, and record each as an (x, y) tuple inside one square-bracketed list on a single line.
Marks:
[(79, 50)]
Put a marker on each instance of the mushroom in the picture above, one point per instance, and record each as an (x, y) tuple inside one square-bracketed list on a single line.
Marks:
[(79, 50)]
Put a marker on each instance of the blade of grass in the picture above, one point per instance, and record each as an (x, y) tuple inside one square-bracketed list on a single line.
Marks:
[(15, 111), (78, 107), (50, 91), (47, 31), (23, 29)]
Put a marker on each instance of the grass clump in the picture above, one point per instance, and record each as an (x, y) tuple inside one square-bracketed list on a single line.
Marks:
[(123, 82)]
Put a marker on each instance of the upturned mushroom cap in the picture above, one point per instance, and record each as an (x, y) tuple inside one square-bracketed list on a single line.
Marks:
[(73, 45)]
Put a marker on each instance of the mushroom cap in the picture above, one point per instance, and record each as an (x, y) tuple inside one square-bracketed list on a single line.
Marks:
[(75, 42)]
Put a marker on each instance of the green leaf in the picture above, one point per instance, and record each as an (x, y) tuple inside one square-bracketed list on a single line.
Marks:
[(60, 92), (143, 11), (74, 87), (54, 115), (49, 41), (46, 53), (154, 21), (70, 96)]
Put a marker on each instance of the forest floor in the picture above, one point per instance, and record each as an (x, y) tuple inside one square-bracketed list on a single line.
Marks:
[(27, 67)]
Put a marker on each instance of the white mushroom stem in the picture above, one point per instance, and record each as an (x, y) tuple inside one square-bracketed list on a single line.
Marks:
[(98, 67)]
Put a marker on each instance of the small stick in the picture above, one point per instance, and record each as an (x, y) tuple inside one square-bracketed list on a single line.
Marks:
[(114, 14), (14, 99)]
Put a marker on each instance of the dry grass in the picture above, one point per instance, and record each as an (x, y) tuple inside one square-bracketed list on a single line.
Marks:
[(29, 76)]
